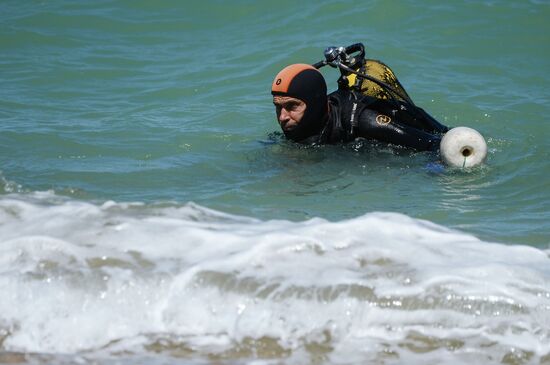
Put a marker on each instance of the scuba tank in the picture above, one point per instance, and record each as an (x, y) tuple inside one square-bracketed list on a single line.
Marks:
[(367, 77), (372, 83), (460, 147)]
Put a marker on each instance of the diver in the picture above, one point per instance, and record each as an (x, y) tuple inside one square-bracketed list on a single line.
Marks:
[(369, 103)]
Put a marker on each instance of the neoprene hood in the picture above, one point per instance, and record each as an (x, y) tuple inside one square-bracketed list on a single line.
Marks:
[(306, 83)]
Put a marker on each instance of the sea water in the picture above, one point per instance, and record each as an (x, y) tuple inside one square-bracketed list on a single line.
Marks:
[(150, 213)]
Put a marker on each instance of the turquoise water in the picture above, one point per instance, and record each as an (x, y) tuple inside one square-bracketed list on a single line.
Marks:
[(166, 103), (137, 102)]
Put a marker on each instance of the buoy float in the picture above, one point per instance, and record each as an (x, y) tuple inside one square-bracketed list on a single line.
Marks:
[(463, 147)]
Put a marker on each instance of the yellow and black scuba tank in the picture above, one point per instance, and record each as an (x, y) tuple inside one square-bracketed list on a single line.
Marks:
[(365, 76), (372, 83), (379, 71)]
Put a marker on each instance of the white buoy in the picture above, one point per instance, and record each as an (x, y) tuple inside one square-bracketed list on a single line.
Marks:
[(463, 147)]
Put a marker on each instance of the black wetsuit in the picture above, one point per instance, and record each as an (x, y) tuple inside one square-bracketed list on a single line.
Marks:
[(354, 115)]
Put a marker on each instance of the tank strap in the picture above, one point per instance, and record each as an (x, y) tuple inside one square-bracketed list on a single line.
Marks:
[(352, 105)]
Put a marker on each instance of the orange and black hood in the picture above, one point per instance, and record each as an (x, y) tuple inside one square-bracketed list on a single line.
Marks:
[(306, 83)]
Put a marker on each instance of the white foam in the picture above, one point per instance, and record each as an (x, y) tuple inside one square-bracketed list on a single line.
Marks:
[(79, 276)]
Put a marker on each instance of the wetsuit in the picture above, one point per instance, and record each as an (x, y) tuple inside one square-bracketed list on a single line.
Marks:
[(353, 115)]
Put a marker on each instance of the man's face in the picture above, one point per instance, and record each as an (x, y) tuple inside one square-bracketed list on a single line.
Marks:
[(290, 111)]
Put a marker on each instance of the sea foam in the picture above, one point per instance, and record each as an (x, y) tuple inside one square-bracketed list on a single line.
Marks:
[(79, 277)]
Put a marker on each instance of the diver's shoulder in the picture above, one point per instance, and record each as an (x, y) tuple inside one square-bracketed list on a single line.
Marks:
[(339, 93)]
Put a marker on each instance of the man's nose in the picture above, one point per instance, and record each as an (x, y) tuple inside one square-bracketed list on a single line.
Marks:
[(284, 115)]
